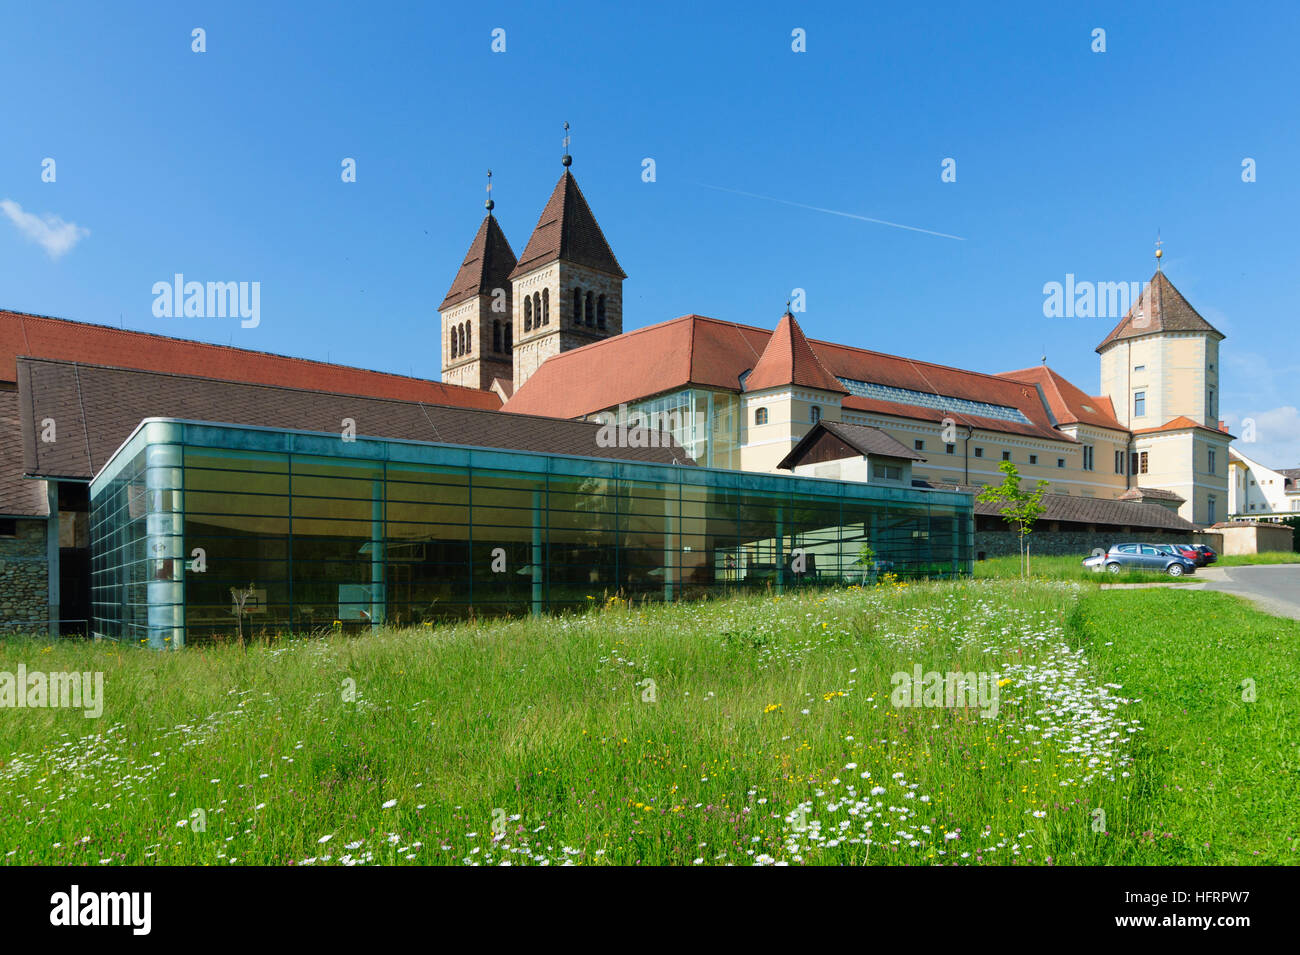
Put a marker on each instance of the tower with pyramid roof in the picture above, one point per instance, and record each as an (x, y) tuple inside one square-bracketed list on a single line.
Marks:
[(477, 336), (1160, 369), (786, 393), (567, 287), (1162, 361)]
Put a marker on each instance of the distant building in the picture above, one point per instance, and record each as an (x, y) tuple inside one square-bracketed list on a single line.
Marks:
[(1257, 492)]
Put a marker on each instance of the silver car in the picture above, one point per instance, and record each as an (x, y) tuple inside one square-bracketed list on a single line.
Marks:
[(1149, 557)]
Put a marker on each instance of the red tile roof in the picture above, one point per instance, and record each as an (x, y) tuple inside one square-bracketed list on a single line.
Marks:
[(788, 359), (1181, 423), (486, 267), (567, 230), (97, 408), (706, 352), (1069, 404), (1161, 308), (38, 336)]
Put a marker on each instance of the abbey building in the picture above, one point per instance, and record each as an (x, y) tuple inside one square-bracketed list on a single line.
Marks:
[(544, 333)]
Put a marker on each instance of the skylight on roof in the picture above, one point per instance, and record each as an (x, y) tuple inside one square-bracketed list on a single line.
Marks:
[(925, 399)]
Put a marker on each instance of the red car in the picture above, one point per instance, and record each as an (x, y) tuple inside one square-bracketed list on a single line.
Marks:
[(1201, 554)]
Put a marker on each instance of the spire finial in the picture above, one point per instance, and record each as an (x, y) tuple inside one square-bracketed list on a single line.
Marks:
[(489, 205), (1159, 252), (567, 160), (787, 307)]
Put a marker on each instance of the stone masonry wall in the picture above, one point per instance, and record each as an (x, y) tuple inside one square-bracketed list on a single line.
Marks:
[(24, 580), (1082, 543)]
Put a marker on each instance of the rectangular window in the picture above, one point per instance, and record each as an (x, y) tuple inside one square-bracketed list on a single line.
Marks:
[(1139, 404), (1212, 460), (1137, 368), (1060, 462), (1088, 460), (979, 452), (1210, 507), (1006, 455), (1033, 459), (950, 448), (1210, 405), (919, 444), (890, 472), (1138, 462), (1119, 462)]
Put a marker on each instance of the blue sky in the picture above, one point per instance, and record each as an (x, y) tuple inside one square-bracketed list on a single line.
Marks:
[(225, 166)]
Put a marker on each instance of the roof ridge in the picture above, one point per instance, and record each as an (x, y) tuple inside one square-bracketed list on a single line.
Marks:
[(227, 348), (293, 388)]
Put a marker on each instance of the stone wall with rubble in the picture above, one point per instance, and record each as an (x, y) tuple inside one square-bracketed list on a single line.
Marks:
[(1081, 543), (24, 578)]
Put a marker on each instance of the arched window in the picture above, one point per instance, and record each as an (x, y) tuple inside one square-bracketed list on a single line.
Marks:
[(600, 312), (469, 338), (496, 336), (537, 310), (815, 414), (577, 306), (528, 313), (454, 353), (546, 306), (591, 310), (462, 339), (510, 337), (760, 416)]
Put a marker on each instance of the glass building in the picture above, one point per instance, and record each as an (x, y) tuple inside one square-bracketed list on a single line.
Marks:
[(314, 532)]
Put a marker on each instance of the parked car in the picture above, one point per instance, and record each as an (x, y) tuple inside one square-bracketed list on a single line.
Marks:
[(1149, 557), (1188, 551), (1208, 556)]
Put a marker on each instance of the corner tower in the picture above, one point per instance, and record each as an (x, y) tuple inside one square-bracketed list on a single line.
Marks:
[(1160, 369), (1162, 361), (476, 312), (567, 286)]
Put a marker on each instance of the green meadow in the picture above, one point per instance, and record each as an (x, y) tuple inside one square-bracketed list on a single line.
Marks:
[(1130, 727)]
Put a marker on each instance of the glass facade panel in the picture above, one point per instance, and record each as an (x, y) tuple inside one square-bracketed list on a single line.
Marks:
[(313, 533)]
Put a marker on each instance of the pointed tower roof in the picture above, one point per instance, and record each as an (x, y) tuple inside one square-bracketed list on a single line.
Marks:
[(567, 231), (788, 359), (486, 267), (1163, 310)]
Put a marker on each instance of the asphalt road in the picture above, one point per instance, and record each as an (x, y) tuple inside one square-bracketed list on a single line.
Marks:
[(1274, 588)]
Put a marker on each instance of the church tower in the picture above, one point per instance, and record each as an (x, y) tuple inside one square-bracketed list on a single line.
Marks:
[(567, 286), (476, 312)]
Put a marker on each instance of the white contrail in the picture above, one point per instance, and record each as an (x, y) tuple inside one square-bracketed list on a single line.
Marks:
[(834, 212)]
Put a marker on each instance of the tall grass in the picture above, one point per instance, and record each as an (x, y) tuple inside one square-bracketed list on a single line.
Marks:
[(719, 732)]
